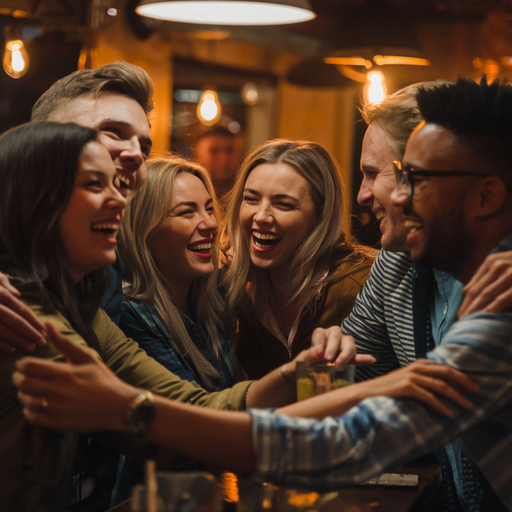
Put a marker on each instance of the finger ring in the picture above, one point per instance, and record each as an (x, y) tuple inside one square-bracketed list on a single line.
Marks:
[(43, 405)]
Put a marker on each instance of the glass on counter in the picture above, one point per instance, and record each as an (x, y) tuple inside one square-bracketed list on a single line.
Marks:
[(316, 379)]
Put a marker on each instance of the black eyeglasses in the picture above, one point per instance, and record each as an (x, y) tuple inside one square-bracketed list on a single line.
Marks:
[(405, 175)]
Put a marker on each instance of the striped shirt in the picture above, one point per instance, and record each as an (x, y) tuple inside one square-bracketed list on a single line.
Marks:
[(382, 317)]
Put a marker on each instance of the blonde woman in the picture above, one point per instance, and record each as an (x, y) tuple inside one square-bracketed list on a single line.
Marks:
[(295, 267), (169, 246)]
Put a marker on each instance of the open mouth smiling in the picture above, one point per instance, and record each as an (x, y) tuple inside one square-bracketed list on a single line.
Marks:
[(412, 225), (265, 240), (202, 248), (107, 229), (123, 180)]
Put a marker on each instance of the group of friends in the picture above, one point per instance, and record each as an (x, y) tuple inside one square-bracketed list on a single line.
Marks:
[(74, 225)]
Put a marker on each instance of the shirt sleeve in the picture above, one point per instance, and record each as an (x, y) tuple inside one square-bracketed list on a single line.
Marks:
[(381, 433), (367, 322)]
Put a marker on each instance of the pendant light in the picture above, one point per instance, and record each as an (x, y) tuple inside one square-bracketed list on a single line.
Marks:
[(228, 12)]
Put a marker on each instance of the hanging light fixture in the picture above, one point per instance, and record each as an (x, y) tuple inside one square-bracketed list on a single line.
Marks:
[(376, 33), (228, 12), (15, 60), (208, 108)]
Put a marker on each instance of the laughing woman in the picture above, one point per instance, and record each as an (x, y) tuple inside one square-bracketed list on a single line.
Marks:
[(169, 245), (295, 267)]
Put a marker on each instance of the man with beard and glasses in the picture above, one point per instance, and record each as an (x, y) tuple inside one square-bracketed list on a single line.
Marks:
[(410, 309)]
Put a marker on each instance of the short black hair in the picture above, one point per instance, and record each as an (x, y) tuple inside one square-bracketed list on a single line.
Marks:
[(480, 115)]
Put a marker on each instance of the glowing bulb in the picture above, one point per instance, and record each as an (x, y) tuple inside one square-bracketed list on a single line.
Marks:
[(250, 93), (375, 88), (208, 109), (15, 59)]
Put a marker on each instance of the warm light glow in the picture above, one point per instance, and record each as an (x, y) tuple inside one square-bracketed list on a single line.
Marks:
[(384, 60), (506, 61), (375, 88), (348, 61), (478, 62), (250, 93), (208, 109), (227, 12), (15, 59), (347, 71)]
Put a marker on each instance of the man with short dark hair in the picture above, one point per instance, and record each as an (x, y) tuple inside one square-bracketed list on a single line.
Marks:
[(214, 150)]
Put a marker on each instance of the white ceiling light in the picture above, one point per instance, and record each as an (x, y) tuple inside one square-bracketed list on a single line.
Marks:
[(228, 12)]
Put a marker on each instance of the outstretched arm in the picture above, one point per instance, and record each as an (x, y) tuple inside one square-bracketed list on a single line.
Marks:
[(19, 327), (420, 380), (84, 395)]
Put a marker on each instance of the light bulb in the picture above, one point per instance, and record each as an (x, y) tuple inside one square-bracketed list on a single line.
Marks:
[(15, 59), (375, 88), (208, 109), (250, 93)]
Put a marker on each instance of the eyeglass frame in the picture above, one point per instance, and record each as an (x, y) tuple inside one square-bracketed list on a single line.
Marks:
[(404, 175)]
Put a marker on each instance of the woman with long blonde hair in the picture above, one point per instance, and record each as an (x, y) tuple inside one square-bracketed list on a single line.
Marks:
[(295, 267), (169, 246)]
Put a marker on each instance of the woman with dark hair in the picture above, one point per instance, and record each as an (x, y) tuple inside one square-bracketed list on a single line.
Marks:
[(34, 250)]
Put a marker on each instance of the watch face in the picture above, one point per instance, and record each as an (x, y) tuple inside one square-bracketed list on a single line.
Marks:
[(142, 414)]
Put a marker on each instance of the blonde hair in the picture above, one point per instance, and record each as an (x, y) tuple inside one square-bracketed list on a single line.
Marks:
[(398, 114), (144, 214), (316, 253)]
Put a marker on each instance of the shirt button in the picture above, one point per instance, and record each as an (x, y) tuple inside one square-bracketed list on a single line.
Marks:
[(445, 309)]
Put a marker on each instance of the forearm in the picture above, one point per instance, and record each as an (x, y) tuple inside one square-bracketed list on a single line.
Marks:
[(219, 438), (273, 390), (334, 403)]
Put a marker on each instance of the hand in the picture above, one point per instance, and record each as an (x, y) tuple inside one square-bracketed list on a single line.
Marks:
[(82, 395), (19, 327), (423, 381), (490, 289), (331, 346)]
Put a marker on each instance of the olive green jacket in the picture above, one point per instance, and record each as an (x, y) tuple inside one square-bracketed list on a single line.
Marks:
[(36, 463)]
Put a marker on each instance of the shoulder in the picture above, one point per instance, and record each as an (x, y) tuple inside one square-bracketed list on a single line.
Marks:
[(350, 264)]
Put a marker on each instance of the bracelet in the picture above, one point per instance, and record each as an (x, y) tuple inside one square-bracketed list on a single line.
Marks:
[(285, 375)]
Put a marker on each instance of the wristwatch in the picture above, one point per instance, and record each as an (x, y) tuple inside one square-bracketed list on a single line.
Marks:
[(141, 413)]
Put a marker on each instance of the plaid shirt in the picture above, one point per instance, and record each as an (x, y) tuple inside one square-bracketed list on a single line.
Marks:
[(381, 433)]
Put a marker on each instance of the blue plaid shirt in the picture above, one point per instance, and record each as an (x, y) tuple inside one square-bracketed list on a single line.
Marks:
[(381, 433)]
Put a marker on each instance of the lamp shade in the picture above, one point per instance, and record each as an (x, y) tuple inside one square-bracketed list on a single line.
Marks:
[(376, 31), (228, 12)]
